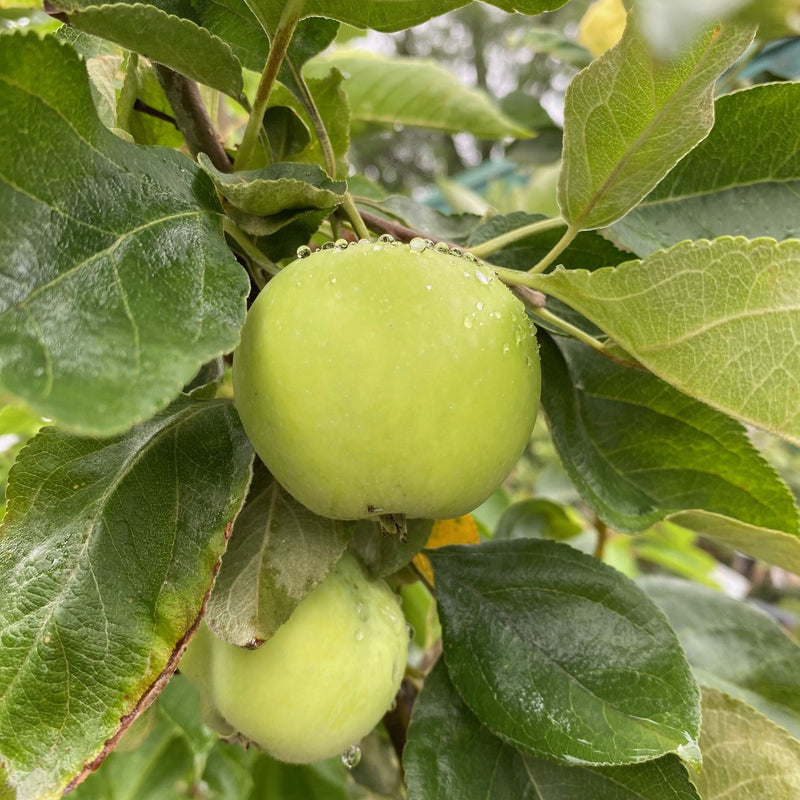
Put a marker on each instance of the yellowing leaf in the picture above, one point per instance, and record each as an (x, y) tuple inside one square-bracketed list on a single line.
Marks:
[(461, 530), (602, 25)]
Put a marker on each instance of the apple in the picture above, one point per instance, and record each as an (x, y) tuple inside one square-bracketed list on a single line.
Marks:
[(387, 379), (326, 677)]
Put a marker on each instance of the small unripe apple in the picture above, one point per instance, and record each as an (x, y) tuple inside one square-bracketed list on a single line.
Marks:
[(326, 677), (387, 379)]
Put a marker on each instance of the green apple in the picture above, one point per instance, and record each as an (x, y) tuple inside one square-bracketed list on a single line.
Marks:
[(326, 677), (384, 379)]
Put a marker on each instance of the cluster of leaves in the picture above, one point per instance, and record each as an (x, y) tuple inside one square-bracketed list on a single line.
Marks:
[(670, 321)]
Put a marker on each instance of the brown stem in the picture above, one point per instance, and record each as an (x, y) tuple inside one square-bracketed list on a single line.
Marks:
[(602, 538), (397, 720), (141, 106), (192, 117), (395, 229)]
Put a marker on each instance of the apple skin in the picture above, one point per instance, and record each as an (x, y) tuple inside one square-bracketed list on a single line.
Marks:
[(380, 379), (326, 677)]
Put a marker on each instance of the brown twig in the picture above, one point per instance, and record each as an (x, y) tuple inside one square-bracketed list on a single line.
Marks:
[(400, 232), (192, 117), (142, 107)]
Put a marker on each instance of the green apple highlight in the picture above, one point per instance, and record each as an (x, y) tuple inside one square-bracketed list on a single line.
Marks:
[(323, 681), (387, 379)]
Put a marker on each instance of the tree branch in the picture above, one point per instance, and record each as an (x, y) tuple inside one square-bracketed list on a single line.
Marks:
[(192, 117)]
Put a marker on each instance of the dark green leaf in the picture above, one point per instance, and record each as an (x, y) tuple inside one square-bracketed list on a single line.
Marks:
[(451, 755), (117, 284), (311, 36), (742, 180), (273, 780), (384, 554), (718, 320), (734, 647), (176, 42), (107, 551), (638, 450), (286, 133), (278, 553), (620, 139), (561, 656)]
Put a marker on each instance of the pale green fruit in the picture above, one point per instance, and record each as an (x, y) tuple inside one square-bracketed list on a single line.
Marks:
[(379, 379), (326, 677)]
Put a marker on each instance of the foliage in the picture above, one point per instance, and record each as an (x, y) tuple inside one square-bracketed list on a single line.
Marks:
[(161, 161)]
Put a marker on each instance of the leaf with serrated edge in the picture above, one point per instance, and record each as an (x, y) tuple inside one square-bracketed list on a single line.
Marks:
[(719, 320), (638, 450), (108, 549), (278, 553), (277, 188), (629, 118), (104, 318), (733, 646), (390, 91), (743, 179), (774, 547), (168, 39), (451, 755), (745, 756), (562, 656)]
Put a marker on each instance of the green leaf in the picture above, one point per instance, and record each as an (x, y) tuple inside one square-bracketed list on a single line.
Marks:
[(742, 180), (331, 102), (774, 547), (718, 320), (107, 551), (629, 118), (383, 554), (171, 40), (119, 286), (561, 656), (733, 647), (746, 757), (277, 188), (451, 755), (278, 553), (638, 450), (405, 91), (538, 518), (678, 550)]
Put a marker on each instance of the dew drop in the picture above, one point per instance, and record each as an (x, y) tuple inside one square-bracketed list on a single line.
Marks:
[(518, 335), (428, 243), (468, 321), (386, 238), (428, 287), (351, 756), (304, 251), (506, 347), (456, 251), (482, 276), (359, 636), (441, 247), (332, 279), (328, 246), (479, 306), (340, 244), (417, 244), (472, 258)]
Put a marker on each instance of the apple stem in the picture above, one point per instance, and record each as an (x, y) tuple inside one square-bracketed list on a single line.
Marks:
[(394, 525)]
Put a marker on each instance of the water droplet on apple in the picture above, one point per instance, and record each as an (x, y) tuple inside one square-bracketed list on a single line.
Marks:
[(506, 347), (482, 276), (340, 244), (386, 238), (479, 306), (468, 321), (441, 247), (351, 756), (456, 251), (332, 279), (359, 636), (428, 287), (304, 251), (417, 244)]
